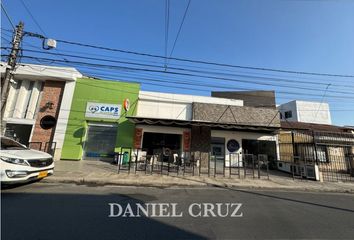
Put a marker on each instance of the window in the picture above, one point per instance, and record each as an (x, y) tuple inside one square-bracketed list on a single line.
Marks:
[(288, 114), (322, 154), (16, 87), (24, 99), (28, 97)]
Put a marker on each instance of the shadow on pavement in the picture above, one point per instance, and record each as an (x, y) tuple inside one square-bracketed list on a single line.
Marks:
[(273, 196), (78, 216), (16, 185), (292, 200)]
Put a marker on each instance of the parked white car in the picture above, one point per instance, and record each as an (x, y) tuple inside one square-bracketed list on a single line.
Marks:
[(21, 164)]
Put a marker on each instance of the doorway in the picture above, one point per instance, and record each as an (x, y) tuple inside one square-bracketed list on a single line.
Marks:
[(160, 141), (100, 141), (217, 159), (256, 147)]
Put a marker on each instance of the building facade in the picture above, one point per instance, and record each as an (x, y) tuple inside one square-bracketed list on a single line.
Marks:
[(317, 151), (220, 127), (250, 98), (36, 108), (305, 111), (97, 126)]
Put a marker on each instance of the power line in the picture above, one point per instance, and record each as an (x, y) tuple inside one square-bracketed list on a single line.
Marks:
[(198, 90), (324, 94), (207, 62), (240, 73), (184, 65), (168, 82), (179, 30), (159, 97), (182, 74), (35, 21), (7, 30), (191, 70), (167, 24), (7, 16), (167, 86), (33, 18), (183, 83), (134, 77), (7, 40), (123, 68)]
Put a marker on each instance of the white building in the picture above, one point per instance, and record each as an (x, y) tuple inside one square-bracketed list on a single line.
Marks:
[(305, 111), (224, 127), (37, 107), (175, 106)]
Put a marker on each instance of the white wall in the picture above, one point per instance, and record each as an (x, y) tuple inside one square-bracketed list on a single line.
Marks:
[(35, 72), (63, 117), (11, 103), (238, 136), (313, 112), (305, 111), (22, 97), (32, 106), (164, 110), (174, 106), (290, 106), (19, 99)]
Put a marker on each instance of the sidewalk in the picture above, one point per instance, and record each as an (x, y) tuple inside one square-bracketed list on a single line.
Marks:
[(103, 173)]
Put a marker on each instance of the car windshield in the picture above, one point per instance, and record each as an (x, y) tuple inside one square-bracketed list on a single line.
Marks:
[(9, 144)]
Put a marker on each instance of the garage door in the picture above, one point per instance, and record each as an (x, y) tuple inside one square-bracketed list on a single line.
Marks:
[(100, 141)]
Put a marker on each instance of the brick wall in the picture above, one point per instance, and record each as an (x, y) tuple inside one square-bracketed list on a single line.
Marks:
[(52, 92), (200, 142)]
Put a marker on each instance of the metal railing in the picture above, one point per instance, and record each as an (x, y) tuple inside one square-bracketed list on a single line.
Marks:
[(331, 153), (196, 163)]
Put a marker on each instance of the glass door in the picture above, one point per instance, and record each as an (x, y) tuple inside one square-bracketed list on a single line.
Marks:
[(217, 154)]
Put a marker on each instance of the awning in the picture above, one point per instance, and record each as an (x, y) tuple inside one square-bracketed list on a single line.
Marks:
[(213, 125)]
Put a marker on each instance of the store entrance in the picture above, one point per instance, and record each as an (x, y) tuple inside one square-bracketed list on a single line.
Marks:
[(162, 143), (100, 141), (217, 157), (261, 147)]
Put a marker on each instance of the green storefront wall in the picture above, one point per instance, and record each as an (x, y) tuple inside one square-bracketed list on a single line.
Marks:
[(100, 91)]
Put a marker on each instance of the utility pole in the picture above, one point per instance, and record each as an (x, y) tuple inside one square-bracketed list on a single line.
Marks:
[(11, 64)]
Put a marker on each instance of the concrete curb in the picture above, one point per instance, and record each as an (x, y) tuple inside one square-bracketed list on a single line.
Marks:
[(190, 183)]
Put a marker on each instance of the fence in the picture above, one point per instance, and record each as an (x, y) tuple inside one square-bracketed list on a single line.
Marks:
[(331, 154), (195, 163)]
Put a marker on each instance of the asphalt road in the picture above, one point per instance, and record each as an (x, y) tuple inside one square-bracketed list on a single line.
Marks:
[(49, 211)]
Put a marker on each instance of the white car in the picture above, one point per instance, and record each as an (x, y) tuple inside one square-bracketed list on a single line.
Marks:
[(20, 164)]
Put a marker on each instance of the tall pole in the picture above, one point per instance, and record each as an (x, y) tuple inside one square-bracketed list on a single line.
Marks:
[(11, 64)]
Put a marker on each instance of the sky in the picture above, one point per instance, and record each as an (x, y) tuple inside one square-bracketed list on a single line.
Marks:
[(296, 35)]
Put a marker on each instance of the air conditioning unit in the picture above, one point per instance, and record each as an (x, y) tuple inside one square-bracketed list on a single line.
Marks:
[(310, 172)]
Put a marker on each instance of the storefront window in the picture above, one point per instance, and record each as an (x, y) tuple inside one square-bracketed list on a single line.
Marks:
[(162, 141)]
